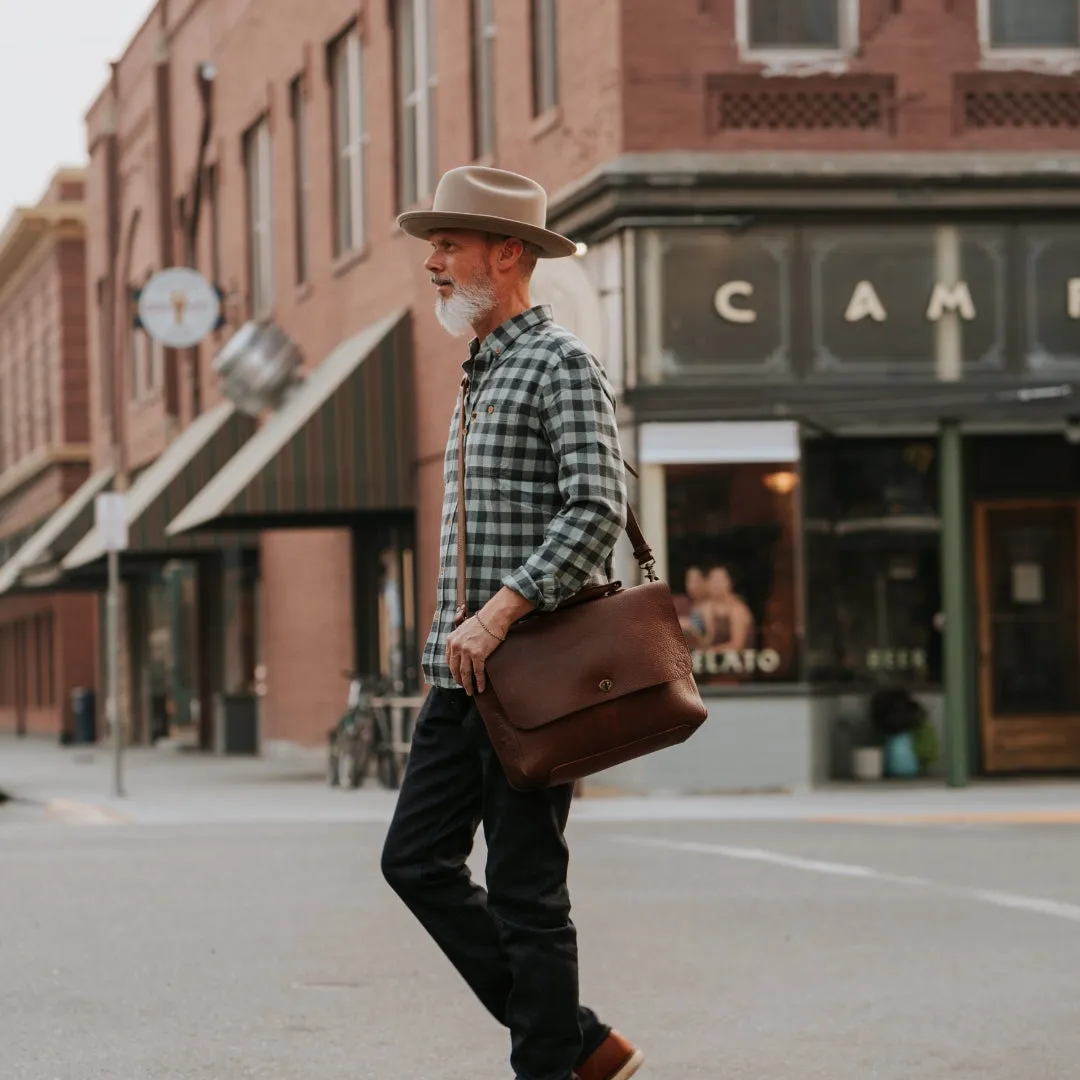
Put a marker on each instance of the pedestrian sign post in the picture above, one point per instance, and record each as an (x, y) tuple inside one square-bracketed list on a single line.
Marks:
[(110, 514)]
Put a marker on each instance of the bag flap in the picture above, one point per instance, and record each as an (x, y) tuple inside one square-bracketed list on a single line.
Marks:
[(581, 656)]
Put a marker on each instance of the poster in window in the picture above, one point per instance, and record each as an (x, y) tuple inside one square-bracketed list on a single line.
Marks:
[(731, 563)]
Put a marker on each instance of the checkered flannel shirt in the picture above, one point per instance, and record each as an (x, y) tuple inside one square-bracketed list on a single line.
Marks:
[(544, 483)]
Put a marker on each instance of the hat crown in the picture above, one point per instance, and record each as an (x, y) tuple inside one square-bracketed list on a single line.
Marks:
[(496, 193)]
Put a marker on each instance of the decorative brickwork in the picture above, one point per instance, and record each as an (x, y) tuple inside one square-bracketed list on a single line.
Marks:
[(751, 103), (990, 100)]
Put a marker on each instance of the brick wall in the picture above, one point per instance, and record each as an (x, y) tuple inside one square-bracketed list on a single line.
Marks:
[(926, 52)]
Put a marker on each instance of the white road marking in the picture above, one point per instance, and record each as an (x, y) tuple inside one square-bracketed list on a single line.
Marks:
[(80, 813), (1057, 908), (1033, 904)]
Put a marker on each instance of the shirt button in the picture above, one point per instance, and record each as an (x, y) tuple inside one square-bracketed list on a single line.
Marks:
[(491, 408), (474, 416)]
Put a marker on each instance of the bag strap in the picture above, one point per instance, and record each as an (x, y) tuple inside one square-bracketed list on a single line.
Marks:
[(642, 552)]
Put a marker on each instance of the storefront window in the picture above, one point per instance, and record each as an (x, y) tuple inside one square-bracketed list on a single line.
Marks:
[(873, 569), (731, 543)]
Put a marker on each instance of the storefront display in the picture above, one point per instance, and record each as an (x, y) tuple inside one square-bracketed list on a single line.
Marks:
[(873, 567), (731, 552)]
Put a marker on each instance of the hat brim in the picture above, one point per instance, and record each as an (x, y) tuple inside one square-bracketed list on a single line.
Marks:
[(422, 223)]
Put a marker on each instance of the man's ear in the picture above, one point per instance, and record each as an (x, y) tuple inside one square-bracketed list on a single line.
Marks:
[(510, 251)]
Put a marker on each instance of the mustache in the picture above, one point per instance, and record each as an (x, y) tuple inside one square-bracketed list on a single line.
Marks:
[(443, 281)]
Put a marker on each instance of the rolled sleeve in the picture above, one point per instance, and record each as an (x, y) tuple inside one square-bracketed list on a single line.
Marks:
[(577, 413)]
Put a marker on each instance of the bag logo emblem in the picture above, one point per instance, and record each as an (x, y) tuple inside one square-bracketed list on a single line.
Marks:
[(607, 685)]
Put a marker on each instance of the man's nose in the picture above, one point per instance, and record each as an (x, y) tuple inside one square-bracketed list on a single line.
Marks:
[(435, 263)]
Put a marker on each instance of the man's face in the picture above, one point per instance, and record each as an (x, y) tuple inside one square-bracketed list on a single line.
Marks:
[(461, 273)]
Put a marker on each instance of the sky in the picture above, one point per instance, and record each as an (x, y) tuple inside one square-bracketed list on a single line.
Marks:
[(54, 57)]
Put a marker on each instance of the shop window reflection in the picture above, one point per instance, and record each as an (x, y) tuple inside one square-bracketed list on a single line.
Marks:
[(731, 533), (873, 565)]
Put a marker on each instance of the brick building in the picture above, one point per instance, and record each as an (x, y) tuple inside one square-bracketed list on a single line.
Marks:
[(832, 265), (47, 641)]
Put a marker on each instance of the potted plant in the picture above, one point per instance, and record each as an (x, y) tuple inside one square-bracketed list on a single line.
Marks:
[(895, 717)]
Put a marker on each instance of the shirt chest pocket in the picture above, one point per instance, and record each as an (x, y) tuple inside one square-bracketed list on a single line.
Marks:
[(502, 435)]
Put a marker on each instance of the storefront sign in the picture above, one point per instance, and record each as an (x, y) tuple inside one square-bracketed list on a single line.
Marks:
[(866, 303), (917, 298)]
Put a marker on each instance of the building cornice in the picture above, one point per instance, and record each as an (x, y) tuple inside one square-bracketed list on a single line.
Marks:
[(28, 228), (34, 464), (636, 188)]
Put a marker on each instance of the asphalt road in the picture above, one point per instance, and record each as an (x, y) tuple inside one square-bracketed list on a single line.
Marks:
[(726, 949)]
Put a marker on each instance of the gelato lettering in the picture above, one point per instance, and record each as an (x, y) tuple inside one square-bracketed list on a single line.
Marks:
[(743, 662)]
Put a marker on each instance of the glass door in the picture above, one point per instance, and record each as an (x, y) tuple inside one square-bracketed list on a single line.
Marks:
[(1029, 623)]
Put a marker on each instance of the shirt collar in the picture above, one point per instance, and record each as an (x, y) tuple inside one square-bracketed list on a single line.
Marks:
[(495, 345)]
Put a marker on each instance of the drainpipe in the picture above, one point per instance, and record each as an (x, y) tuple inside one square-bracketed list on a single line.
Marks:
[(204, 78), (165, 219)]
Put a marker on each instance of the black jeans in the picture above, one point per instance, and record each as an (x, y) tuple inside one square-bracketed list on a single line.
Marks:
[(514, 944)]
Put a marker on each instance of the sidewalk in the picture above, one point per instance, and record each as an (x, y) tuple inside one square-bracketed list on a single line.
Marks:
[(164, 787)]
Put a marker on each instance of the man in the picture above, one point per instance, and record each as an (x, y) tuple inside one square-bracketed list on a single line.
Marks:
[(545, 502)]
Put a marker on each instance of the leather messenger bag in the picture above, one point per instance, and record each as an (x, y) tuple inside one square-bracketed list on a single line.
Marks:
[(605, 678)]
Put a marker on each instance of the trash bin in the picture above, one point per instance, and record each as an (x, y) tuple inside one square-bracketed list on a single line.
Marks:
[(238, 724), (84, 710)]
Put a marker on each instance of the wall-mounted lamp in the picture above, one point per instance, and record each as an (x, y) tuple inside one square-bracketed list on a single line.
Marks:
[(781, 483)]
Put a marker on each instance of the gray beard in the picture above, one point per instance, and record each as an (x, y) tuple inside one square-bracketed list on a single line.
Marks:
[(465, 307)]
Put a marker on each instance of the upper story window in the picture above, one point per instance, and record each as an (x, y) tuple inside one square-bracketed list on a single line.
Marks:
[(350, 137), (260, 218), (545, 53), (417, 82), (483, 28), (1031, 25), (798, 28)]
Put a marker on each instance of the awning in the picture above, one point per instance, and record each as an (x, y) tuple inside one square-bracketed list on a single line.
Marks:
[(341, 444), (182, 469), (59, 534)]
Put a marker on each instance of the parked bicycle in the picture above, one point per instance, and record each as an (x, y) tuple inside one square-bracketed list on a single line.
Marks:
[(363, 735)]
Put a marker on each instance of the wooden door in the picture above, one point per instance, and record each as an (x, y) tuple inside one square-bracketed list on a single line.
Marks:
[(1029, 635)]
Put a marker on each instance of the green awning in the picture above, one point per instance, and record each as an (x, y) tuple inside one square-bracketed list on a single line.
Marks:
[(160, 490), (342, 443), (66, 527)]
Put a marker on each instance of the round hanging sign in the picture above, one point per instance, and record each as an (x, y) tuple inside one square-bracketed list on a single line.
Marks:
[(179, 307)]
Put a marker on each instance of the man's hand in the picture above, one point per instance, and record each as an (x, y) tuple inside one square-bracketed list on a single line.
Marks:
[(469, 646), (467, 650)]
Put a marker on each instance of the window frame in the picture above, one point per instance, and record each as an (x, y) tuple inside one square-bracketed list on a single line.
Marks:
[(484, 33), (259, 223), (350, 139), (544, 35), (1021, 53), (415, 51), (301, 177), (847, 32)]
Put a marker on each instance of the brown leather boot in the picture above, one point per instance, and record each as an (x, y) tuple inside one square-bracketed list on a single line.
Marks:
[(615, 1059)]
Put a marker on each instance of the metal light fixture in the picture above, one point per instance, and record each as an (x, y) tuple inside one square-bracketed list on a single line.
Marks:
[(258, 366)]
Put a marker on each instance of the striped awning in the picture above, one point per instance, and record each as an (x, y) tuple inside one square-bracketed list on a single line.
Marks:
[(181, 470), (342, 443), (66, 527)]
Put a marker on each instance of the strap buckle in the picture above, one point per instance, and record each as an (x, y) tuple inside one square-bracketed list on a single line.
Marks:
[(649, 569)]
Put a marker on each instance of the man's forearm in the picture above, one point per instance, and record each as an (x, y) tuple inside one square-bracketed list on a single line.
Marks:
[(504, 609)]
